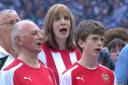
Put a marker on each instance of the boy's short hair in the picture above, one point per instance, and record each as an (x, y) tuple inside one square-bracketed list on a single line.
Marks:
[(88, 27)]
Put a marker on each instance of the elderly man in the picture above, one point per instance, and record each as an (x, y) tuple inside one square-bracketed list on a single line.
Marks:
[(7, 54), (26, 69)]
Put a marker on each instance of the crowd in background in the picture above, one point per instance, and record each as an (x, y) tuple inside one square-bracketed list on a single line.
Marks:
[(111, 13)]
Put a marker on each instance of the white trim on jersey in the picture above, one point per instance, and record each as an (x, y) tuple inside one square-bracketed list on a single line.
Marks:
[(66, 78), (6, 77)]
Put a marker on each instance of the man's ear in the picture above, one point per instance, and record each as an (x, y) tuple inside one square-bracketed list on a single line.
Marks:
[(19, 41)]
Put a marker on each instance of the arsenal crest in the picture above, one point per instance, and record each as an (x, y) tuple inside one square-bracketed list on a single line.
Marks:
[(105, 77)]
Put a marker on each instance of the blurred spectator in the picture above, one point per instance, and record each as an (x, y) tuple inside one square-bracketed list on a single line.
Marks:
[(105, 56), (7, 54), (115, 47), (117, 32), (121, 69)]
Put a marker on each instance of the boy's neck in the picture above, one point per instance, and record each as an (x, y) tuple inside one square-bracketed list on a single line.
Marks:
[(88, 62)]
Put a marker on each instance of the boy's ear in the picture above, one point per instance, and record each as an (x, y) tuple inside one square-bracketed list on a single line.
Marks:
[(80, 43)]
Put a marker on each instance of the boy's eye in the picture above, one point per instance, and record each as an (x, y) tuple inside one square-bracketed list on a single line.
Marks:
[(102, 39), (95, 38)]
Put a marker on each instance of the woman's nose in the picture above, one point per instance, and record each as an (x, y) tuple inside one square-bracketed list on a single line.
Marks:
[(62, 21)]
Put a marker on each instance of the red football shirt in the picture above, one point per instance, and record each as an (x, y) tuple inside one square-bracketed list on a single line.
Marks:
[(19, 73), (79, 75)]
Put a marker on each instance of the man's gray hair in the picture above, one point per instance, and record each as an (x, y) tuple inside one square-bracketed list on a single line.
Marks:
[(14, 34), (17, 30), (7, 11)]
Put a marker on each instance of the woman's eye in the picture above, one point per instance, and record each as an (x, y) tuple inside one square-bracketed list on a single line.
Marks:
[(66, 18), (57, 18)]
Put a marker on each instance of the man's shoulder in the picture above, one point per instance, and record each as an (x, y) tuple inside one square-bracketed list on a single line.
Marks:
[(14, 65), (74, 68), (105, 69)]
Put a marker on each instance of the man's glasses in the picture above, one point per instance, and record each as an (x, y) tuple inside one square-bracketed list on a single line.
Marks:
[(10, 22)]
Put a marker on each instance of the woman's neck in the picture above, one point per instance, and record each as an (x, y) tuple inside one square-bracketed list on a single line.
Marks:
[(62, 44)]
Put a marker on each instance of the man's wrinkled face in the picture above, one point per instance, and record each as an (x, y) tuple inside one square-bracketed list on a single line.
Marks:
[(32, 38), (7, 20)]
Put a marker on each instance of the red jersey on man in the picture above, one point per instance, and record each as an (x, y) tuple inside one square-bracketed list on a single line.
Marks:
[(19, 73)]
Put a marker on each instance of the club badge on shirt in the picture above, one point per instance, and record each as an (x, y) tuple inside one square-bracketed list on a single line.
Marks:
[(105, 77)]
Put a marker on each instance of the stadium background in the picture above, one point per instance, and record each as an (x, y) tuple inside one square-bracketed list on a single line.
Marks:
[(112, 13)]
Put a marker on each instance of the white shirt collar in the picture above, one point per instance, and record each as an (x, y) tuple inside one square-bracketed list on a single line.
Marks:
[(3, 52)]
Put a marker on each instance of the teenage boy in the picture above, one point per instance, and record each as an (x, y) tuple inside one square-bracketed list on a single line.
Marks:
[(87, 71)]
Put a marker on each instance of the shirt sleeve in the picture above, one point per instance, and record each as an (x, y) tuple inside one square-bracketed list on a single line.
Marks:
[(121, 69), (5, 78), (52, 75)]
